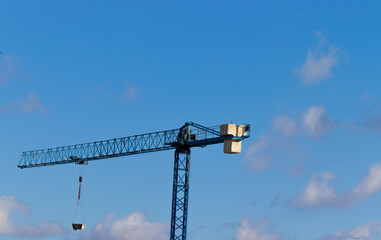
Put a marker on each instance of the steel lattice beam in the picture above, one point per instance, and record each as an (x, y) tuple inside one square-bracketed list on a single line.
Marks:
[(180, 194), (79, 153)]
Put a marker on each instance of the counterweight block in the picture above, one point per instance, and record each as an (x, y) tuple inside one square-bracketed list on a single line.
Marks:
[(233, 145)]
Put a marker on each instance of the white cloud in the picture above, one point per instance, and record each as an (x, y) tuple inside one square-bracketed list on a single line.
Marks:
[(369, 185), (318, 68), (315, 121), (8, 66), (135, 226), (258, 231), (29, 105), (285, 125), (281, 141), (369, 231), (9, 204), (130, 94), (320, 193), (256, 156), (318, 65)]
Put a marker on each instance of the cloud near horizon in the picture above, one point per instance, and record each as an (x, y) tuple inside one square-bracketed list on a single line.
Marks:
[(369, 231), (255, 231), (134, 226), (9, 204), (319, 192), (319, 63)]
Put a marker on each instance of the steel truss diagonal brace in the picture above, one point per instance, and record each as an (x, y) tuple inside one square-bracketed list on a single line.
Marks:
[(180, 194)]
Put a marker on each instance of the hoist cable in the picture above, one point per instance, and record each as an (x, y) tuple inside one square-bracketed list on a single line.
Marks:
[(79, 200)]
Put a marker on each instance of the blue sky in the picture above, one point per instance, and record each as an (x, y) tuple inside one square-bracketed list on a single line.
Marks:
[(305, 75)]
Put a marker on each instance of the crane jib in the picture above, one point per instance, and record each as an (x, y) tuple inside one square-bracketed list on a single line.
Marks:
[(195, 136)]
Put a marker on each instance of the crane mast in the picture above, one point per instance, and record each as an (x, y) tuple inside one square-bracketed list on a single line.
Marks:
[(182, 140)]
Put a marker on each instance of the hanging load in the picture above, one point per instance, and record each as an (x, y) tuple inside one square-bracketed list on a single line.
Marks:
[(79, 226)]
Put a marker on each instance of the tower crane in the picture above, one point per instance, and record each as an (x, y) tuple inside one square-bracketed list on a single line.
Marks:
[(181, 140)]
